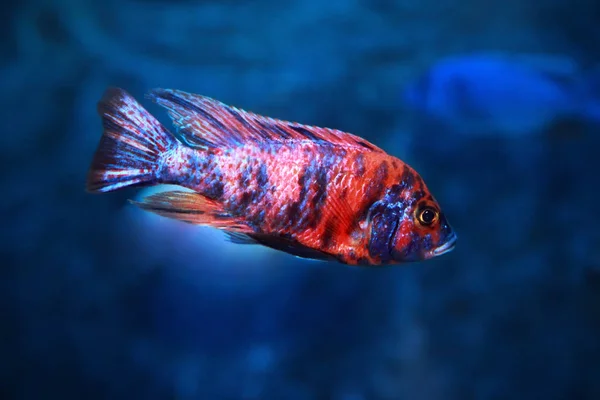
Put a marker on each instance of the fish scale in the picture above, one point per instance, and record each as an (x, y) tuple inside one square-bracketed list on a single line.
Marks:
[(311, 192)]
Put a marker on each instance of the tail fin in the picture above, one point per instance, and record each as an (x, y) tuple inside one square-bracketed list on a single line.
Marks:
[(131, 146)]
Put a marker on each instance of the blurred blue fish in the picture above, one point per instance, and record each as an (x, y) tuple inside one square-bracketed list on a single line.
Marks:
[(504, 94)]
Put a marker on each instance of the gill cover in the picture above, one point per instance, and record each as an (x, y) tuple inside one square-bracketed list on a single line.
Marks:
[(384, 222)]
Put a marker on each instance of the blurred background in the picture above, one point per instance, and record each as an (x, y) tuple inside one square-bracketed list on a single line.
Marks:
[(495, 103)]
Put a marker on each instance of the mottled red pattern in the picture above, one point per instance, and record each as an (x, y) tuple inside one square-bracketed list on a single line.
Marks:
[(309, 191)]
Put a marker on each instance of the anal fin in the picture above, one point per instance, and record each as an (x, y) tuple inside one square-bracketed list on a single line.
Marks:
[(192, 208)]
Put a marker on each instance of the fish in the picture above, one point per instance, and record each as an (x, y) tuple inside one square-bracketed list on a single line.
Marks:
[(504, 94), (312, 192)]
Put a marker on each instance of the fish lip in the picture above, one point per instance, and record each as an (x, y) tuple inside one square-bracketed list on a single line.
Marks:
[(446, 247)]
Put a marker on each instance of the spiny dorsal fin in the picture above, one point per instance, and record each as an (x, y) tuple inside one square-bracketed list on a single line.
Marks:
[(192, 208), (205, 122)]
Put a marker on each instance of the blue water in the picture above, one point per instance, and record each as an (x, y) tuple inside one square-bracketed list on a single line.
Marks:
[(100, 300)]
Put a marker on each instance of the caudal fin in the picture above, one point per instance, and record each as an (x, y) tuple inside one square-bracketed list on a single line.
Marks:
[(131, 147)]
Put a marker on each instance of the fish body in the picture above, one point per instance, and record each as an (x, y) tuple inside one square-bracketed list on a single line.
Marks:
[(312, 192), (504, 94)]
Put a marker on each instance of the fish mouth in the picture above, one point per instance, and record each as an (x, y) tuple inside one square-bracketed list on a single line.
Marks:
[(446, 247)]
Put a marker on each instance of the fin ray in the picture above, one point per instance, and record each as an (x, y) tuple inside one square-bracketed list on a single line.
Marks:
[(191, 207), (239, 238), (130, 147), (288, 245), (205, 122)]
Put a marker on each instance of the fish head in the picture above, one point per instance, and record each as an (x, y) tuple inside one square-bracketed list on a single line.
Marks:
[(409, 225)]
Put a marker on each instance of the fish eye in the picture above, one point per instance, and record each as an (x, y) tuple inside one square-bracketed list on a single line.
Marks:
[(427, 215)]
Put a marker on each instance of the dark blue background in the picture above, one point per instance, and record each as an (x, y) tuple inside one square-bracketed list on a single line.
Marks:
[(103, 301)]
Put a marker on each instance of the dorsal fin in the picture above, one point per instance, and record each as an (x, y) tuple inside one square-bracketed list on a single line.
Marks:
[(205, 122)]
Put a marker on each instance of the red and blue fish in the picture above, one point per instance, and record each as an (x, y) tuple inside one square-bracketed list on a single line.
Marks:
[(312, 192)]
